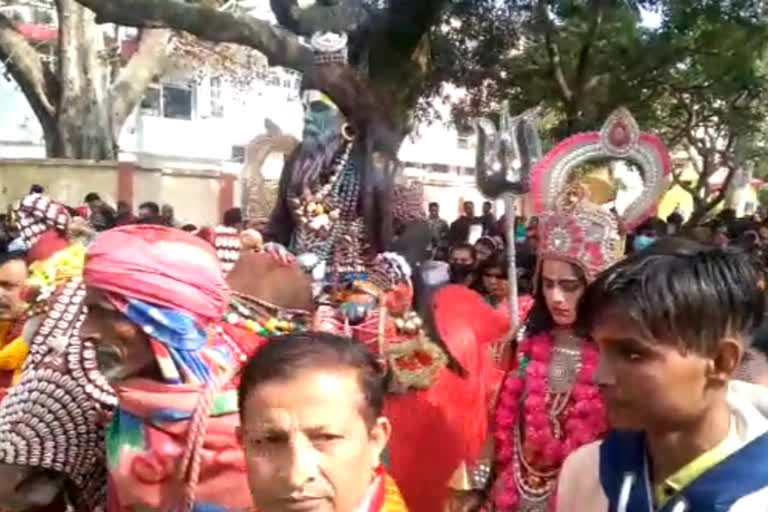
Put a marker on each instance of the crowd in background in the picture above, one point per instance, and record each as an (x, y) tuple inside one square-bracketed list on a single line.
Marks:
[(98, 215), (472, 250)]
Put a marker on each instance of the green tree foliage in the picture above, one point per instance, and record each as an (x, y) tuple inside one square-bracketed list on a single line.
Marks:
[(697, 78)]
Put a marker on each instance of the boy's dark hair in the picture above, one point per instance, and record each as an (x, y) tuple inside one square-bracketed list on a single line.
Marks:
[(5, 257), (91, 196), (151, 206), (284, 356), (685, 293), (36, 189), (233, 217)]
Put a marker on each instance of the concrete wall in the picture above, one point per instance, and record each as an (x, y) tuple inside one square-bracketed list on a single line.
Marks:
[(66, 181), (199, 197)]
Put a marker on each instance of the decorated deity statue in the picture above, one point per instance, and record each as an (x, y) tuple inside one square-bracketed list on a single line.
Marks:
[(337, 202), (549, 404)]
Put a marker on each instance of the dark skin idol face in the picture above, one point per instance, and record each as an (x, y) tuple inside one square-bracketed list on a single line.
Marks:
[(322, 118)]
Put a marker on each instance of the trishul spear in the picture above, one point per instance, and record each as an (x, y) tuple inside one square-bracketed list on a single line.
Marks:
[(504, 161)]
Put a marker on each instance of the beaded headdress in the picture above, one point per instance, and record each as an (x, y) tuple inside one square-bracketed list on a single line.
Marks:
[(36, 214), (226, 241), (53, 418), (573, 229)]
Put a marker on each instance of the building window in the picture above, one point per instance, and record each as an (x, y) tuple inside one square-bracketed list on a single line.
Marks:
[(441, 168), (238, 154), (177, 102), (217, 101), (152, 104), (273, 79), (173, 101), (463, 142)]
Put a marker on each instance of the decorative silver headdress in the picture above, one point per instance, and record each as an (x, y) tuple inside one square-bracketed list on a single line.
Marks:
[(329, 48)]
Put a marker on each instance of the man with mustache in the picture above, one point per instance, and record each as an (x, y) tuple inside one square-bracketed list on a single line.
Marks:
[(156, 297), (13, 275), (312, 427)]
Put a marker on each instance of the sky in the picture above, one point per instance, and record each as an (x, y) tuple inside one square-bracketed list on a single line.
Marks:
[(651, 19)]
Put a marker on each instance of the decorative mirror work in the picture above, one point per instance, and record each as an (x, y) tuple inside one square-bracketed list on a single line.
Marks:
[(620, 138), (573, 227)]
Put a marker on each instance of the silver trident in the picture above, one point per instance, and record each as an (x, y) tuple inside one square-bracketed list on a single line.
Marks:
[(503, 166)]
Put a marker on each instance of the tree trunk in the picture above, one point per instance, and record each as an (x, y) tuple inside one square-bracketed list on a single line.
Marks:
[(83, 124)]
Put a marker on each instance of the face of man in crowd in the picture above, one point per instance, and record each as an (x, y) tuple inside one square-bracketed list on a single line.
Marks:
[(146, 213), (122, 348), (166, 212), (651, 384), (461, 265), (13, 275), (763, 232), (434, 211), (483, 252), (308, 444), (469, 209)]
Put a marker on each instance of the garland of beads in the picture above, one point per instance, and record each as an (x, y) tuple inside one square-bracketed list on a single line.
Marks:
[(338, 196), (556, 424)]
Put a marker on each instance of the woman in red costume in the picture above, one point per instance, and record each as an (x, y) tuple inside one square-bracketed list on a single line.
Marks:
[(548, 404)]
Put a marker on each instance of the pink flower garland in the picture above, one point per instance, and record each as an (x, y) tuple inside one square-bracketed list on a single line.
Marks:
[(583, 419)]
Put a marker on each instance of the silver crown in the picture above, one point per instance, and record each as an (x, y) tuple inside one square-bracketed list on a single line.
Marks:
[(329, 48)]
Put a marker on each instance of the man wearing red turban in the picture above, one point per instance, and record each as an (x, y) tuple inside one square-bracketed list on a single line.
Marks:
[(155, 298)]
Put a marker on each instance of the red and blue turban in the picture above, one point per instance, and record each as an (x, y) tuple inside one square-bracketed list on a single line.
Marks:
[(169, 283)]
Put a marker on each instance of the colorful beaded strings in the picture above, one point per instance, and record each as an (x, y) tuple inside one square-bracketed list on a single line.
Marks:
[(254, 315)]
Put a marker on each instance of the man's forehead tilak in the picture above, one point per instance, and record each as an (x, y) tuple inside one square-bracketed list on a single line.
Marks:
[(312, 95)]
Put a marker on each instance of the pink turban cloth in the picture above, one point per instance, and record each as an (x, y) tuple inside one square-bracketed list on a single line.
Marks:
[(159, 265)]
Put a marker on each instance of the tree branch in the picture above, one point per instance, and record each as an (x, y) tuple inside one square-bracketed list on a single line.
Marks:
[(35, 79), (280, 47), (720, 196), (147, 63), (407, 21), (286, 13), (553, 52), (596, 19)]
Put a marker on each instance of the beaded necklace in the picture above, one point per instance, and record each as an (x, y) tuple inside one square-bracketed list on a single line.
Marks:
[(329, 225)]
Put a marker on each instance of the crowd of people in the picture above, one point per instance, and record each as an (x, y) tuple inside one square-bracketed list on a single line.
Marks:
[(356, 354)]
